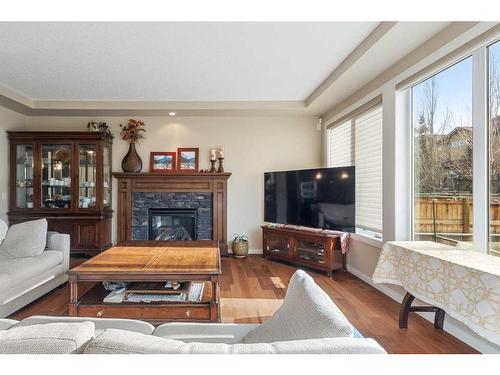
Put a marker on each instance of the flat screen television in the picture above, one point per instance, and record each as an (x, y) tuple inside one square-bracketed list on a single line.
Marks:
[(319, 198)]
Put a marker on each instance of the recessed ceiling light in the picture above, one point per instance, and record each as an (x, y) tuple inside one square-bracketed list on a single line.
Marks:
[(172, 113)]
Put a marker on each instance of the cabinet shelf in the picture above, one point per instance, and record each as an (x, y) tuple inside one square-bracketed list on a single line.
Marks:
[(56, 186)]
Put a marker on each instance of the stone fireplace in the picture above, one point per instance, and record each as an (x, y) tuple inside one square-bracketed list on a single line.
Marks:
[(173, 206), (172, 216)]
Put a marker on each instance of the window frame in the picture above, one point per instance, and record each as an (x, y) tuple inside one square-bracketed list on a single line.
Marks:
[(481, 143)]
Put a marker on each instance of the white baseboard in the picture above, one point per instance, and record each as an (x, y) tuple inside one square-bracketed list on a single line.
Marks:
[(452, 326), (250, 251)]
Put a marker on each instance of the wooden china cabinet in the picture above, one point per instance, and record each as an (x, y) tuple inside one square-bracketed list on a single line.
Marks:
[(64, 177)]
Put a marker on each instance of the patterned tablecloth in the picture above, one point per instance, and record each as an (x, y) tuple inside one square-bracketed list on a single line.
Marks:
[(464, 283)]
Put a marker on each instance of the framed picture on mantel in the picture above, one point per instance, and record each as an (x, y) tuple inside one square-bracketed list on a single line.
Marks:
[(187, 159), (162, 162)]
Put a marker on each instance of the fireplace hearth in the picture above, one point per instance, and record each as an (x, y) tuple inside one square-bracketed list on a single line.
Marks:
[(172, 224)]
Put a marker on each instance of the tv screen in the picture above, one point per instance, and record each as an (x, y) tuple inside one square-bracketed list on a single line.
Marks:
[(319, 198)]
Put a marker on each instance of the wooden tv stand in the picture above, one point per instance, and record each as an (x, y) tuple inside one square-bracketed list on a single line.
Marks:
[(303, 247)]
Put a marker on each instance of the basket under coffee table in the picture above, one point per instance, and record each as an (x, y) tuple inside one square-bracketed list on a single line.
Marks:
[(141, 261)]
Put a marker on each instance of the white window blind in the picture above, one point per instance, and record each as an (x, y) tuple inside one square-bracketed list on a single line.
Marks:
[(358, 142), (340, 150), (368, 162)]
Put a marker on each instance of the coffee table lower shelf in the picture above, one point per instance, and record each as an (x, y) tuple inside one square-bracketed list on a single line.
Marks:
[(91, 305)]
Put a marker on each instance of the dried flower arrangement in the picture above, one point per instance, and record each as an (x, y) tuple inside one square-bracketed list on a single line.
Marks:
[(133, 131), (101, 127)]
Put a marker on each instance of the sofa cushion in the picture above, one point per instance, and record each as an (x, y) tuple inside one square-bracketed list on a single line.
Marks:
[(204, 332), (26, 239), (123, 342), (15, 272), (53, 338), (100, 323), (306, 313)]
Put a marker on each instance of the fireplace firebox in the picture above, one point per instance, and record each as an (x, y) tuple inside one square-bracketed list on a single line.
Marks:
[(172, 224)]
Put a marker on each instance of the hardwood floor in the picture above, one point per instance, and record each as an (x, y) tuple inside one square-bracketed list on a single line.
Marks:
[(253, 288)]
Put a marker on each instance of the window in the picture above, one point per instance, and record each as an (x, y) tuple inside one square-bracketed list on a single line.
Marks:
[(452, 131), (340, 150), (455, 144), (368, 162), (442, 155), (358, 141), (494, 147)]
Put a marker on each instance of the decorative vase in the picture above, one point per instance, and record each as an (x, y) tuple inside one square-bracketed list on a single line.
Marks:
[(132, 163), (240, 249)]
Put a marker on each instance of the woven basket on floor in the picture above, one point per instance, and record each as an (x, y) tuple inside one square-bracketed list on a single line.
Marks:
[(240, 249)]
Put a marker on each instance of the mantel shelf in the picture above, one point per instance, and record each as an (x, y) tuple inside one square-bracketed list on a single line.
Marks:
[(225, 175)]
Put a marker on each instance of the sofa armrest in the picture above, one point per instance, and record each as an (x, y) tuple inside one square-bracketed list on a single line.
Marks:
[(59, 242)]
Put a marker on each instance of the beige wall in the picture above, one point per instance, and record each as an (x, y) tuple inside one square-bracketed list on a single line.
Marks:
[(9, 120), (363, 257), (252, 145)]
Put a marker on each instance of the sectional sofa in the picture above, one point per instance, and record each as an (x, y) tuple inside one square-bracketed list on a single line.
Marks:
[(308, 322), (32, 263)]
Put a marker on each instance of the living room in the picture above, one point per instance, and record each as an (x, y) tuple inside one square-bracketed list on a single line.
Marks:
[(232, 187)]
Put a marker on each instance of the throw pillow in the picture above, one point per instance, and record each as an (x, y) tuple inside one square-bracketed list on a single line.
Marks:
[(26, 239), (306, 313), (50, 338)]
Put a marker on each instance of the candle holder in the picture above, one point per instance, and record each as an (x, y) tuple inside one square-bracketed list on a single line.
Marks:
[(213, 170), (221, 167)]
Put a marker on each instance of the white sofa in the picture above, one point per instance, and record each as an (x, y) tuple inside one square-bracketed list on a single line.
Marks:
[(308, 322), (24, 279)]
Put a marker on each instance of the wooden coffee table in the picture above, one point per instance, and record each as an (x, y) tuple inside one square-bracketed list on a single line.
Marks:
[(150, 261)]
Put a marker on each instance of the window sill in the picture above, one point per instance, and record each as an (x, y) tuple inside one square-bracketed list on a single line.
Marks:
[(369, 240)]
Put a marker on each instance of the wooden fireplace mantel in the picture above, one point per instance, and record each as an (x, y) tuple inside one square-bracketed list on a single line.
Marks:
[(177, 182)]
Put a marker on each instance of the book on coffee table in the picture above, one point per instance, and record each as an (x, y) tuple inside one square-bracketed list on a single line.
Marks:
[(175, 288), (193, 293)]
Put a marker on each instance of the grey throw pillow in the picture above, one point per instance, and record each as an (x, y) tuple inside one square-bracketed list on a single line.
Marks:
[(306, 313), (26, 239), (50, 338)]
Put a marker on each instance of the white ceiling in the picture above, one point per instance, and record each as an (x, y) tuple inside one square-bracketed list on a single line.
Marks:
[(173, 61)]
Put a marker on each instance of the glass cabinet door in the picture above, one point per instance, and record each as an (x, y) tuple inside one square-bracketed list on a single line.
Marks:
[(56, 176), (107, 176), (87, 176), (24, 176), (310, 251), (278, 245)]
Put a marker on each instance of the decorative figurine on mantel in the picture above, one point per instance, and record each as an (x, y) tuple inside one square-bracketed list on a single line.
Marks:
[(213, 160), (132, 132), (220, 156)]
